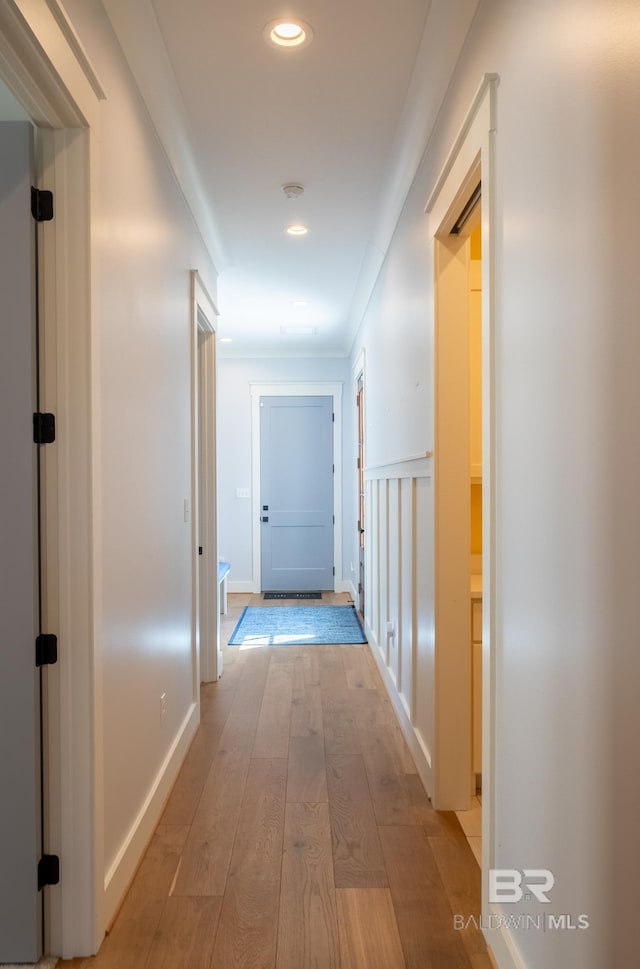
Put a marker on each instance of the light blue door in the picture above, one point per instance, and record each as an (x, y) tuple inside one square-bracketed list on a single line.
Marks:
[(20, 817), (296, 493)]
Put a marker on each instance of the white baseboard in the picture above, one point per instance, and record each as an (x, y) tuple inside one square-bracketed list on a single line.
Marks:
[(123, 868), (240, 586), (415, 743), (503, 952), (346, 585), (342, 585)]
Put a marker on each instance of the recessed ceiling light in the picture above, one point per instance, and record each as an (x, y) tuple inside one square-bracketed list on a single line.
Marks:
[(297, 230), (288, 33)]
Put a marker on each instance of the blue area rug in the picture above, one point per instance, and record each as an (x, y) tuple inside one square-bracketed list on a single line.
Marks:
[(297, 626)]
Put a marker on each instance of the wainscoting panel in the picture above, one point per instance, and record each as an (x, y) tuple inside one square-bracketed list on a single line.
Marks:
[(399, 606), (407, 555), (392, 630), (424, 604)]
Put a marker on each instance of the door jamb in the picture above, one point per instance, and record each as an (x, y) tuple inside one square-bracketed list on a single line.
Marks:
[(207, 662), (358, 372), (310, 389)]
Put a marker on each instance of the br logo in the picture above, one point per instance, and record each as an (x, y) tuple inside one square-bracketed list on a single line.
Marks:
[(511, 885)]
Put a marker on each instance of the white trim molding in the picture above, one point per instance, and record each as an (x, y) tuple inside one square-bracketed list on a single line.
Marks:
[(415, 466), (44, 65), (289, 389), (207, 652)]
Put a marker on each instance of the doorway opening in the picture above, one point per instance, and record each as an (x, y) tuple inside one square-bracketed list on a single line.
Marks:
[(460, 419), (462, 227)]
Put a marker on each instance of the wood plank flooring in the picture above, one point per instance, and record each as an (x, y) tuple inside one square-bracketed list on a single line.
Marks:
[(298, 834)]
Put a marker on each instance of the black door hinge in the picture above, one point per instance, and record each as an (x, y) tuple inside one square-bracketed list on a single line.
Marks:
[(41, 204), (333, 418), (48, 871), (334, 570), (333, 469), (44, 428), (334, 519), (200, 550), (46, 649)]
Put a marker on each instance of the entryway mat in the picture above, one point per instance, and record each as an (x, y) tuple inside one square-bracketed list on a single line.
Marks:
[(297, 626), (292, 595)]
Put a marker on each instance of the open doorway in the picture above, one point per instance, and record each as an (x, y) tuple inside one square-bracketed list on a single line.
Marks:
[(455, 498), (462, 226), (458, 497), (469, 229)]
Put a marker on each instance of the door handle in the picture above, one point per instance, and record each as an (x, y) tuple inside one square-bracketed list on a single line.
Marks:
[(265, 518)]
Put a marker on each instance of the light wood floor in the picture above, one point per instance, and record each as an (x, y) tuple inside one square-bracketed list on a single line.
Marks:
[(298, 834)]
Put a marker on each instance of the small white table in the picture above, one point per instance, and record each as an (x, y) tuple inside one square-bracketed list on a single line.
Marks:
[(223, 571)]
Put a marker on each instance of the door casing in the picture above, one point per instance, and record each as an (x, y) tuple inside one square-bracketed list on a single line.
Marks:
[(207, 665)]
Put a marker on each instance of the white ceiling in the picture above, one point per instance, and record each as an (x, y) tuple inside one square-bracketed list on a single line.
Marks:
[(240, 119)]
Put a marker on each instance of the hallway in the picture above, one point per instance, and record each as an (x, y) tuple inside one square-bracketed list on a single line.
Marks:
[(298, 833)]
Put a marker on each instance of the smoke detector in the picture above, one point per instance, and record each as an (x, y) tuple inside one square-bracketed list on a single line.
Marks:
[(293, 190)]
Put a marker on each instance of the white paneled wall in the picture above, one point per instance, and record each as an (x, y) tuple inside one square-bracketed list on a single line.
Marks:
[(399, 598)]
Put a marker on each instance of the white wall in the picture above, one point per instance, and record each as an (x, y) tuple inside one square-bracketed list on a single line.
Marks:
[(145, 245), (567, 350), (234, 450)]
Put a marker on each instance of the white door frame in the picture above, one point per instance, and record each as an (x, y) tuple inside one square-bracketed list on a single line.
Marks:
[(44, 65), (357, 371), (310, 389), (473, 153), (207, 661)]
